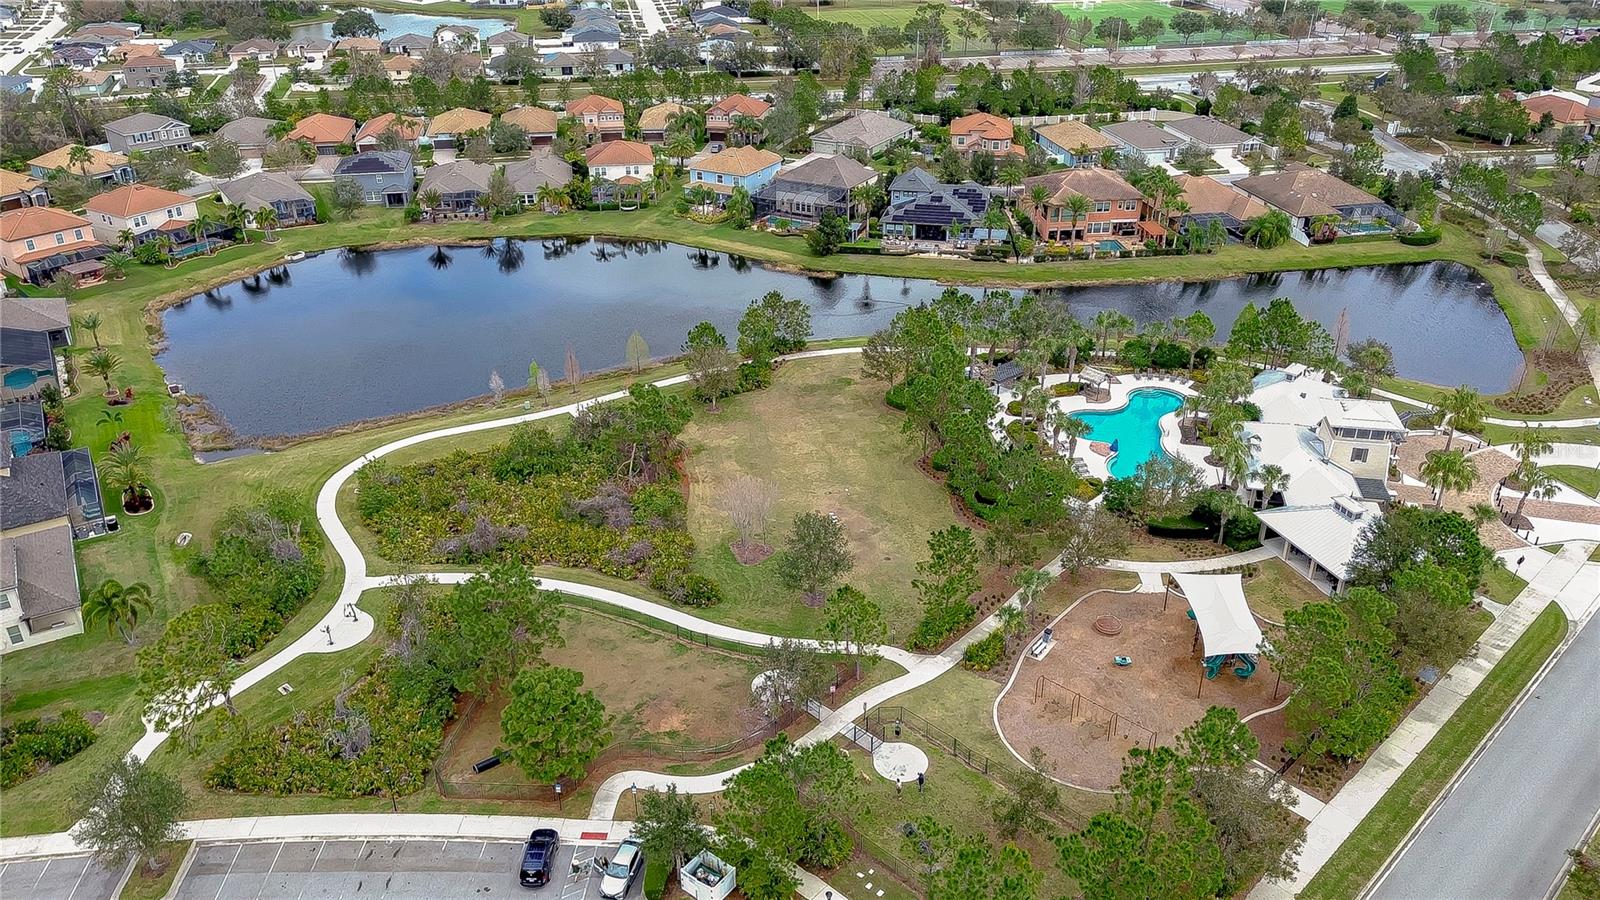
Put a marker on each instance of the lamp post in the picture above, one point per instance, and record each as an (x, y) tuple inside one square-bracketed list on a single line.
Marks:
[(558, 796), (636, 800)]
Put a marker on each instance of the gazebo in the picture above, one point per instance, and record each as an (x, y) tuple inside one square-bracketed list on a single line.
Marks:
[(1223, 621), (1096, 384)]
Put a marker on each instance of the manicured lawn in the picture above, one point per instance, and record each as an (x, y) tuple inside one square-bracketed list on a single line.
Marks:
[(824, 441), (1502, 585), (1133, 11), (1505, 434), (1580, 478), (1375, 838), (1277, 588), (1580, 402)]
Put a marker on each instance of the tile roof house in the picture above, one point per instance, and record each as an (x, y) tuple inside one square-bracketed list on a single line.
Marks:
[(1117, 209), (292, 203), (258, 49), (18, 190), (1565, 110), (27, 364), (354, 45), (1213, 135), (102, 165), (459, 184), (1147, 140), (505, 40), (576, 65), (602, 117), (251, 134), (923, 210), (528, 175), (654, 120), (147, 73), (538, 122), (385, 176), (1209, 199), (1306, 194), (194, 51), (457, 36), (719, 118), (36, 242), (983, 131), (821, 182), (748, 167), (95, 83), (618, 160), (48, 315), (1072, 143), (407, 128), (77, 56), (444, 131), (866, 130), (408, 44), (148, 131), (143, 209), (399, 68), (325, 131)]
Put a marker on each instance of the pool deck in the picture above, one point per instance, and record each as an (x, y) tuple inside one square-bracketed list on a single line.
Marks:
[(1097, 465)]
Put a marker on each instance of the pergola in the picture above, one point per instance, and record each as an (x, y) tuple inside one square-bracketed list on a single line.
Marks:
[(1095, 382), (1222, 617)]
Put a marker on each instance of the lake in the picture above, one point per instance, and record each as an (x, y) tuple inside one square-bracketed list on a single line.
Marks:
[(396, 24), (350, 335)]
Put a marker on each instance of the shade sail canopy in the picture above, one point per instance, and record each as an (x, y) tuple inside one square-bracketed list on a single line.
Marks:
[(1220, 610)]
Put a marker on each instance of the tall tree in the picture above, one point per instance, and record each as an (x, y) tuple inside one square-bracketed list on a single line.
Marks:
[(502, 621), (668, 825), (712, 366), (129, 812), (815, 554), (857, 622), (551, 729), (1464, 410)]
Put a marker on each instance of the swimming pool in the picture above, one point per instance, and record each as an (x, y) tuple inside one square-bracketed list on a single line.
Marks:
[(1134, 430)]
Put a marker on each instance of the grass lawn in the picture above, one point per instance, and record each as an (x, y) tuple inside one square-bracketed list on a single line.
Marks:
[(824, 441), (1579, 478), (1133, 11), (1361, 855), (1505, 434), (1277, 588), (1502, 585), (141, 886), (1420, 7)]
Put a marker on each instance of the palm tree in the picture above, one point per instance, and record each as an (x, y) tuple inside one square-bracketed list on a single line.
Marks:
[(1078, 206), (1227, 506), (267, 221), (90, 322), (1531, 444), (1031, 585), (202, 224), (1536, 483), (866, 196), (80, 156), (1464, 411), (165, 244), (1010, 176), (103, 364), (1012, 623), (116, 263), (112, 418), (549, 197), (1448, 470), (125, 238), (118, 605), (1233, 450), (680, 148), (1268, 230), (238, 218), (1216, 234), (1273, 480), (1074, 428), (1107, 321), (126, 468)]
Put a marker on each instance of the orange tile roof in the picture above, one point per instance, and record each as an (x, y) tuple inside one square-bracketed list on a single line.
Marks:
[(32, 221), (740, 105), (620, 153), (399, 64), (322, 128), (532, 119), (738, 161), (594, 103), (409, 127), (16, 182), (986, 125), (1564, 110), (133, 199), (358, 44), (656, 117)]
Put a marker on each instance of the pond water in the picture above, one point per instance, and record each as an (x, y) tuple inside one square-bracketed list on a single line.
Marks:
[(396, 24), (349, 335), (1134, 431)]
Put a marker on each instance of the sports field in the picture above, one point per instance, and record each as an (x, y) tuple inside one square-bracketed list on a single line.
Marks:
[(1133, 11), (867, 17), (1424, 7)]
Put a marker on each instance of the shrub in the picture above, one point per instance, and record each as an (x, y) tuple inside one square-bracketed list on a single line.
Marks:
[(1179, 528), (1066, 389), (1424, 238), (896, 397), (264, 562), (1252, 411), (1168, 355), (1135, 353), (935, 627), (989, 493), (940, 460), (655, 877), (31, 746), (981, 656)]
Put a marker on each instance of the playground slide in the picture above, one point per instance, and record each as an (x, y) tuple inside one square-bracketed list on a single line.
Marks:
[(1214, 665), (1246, 667)]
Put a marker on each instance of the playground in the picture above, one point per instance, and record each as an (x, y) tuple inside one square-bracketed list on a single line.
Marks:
[(1087, 711)]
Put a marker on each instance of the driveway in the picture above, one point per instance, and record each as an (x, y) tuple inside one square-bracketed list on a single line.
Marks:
[(60, 878), (352, 868), (1505, 827)]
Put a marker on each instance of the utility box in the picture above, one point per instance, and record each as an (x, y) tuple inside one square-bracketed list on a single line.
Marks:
[(706, 877)]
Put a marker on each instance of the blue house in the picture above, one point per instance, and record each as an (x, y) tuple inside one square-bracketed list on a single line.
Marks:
[(1072, 143), (748, 167)]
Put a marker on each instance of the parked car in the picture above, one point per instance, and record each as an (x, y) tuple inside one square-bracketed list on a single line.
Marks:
[(538, 855), (625, 866)]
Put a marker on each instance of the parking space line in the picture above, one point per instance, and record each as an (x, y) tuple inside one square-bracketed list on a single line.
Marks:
[(268, 876), (237, 849), (312, 871), (87, 865)]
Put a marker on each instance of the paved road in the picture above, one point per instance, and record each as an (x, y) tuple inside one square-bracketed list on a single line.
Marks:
[(1505, 828), (58, 879), (285, 869)]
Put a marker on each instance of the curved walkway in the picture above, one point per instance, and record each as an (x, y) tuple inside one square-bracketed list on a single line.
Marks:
[(1492, 420)]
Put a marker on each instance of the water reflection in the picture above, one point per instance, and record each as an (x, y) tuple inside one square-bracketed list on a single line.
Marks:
[(428, 323)]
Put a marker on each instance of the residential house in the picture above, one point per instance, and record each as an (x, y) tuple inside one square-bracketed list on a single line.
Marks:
[(592, 29), (78, 55), (1117, 209), (819, 183), (1208, 199), (748, 167), (867, 131), (653, 121), (458, 184), (259, 49), (1307, 195), (1072, 143), (602, 117), (21, 85), (193, 53), (27, 364), (456, 37), (101, 165), (1146, 140), (18, 190), (148, 73), (119, 32), (8, 15), (40, 596), (251, 134), (292, 203), (408, 44), (407, 128), (143, 209), (94, 83), (499, 43), (353, 45), (125, 52), (385, 176), (1566, 110), (324, 131), (578, 65), (624, 162), (538, 122), (1215, 136), (399, 68), (36, 242), (528, 175), (983, 131), (719, 118), (445, 130), (716, 15), (312, 50), (923, 210), (47, 315), (148, 131)]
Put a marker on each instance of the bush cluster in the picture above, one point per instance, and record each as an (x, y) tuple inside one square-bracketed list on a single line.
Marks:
[(934, 628), (981, 656), (30, 746), (264, 563)]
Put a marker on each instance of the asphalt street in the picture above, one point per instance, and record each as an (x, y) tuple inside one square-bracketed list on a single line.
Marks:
[(1505, 828)]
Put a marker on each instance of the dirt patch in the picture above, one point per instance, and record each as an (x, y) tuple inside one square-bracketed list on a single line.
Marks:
[(750, 553), (1087, 712)]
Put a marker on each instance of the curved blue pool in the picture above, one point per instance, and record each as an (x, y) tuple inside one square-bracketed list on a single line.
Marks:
[(1135, 429)]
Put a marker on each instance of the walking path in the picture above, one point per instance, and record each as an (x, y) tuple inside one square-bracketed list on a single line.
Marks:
[(1580, 422), (1563, 573), (1210, 564)]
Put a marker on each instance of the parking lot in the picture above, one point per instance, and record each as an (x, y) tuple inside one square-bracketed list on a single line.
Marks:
[(356, 868), (61, 878)]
